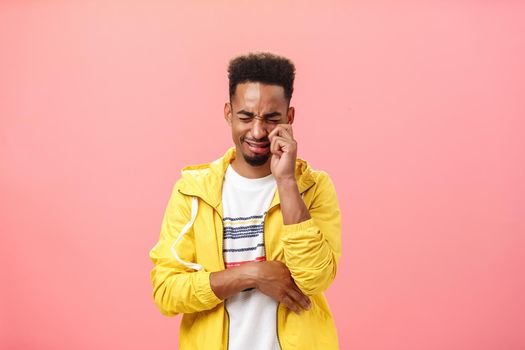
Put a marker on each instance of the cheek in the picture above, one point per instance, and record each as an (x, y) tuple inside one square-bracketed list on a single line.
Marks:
[(241, 129), (238, 131)]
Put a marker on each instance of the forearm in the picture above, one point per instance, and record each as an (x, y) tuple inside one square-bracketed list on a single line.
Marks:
[(233, 280), (309, 257), (293, 208), (312, 247)]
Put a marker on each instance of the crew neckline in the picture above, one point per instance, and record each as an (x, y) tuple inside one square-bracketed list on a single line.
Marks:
[(240, 181)]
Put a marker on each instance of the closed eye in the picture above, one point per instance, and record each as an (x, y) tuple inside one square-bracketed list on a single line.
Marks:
[(273, 117)]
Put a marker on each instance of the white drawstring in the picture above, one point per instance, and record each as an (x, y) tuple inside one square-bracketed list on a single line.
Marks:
[(194, 209)]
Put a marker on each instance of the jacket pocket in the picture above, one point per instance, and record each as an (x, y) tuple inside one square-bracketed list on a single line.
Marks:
[(315, 328)]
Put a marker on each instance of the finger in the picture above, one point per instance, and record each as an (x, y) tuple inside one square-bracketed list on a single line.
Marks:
[(276, 145), (273, 133), (286, 145), (305, 301), (289, 129), (283, 130), (298, 298), (291, 304)]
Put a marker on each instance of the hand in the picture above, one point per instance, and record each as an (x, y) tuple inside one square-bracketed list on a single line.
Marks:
[(274, 279), (284, 152)]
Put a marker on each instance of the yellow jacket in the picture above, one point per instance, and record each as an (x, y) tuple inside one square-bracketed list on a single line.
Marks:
[(190, 248)]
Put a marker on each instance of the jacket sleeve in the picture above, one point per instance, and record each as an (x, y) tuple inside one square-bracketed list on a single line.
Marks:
[(177, 288), (312, 248)]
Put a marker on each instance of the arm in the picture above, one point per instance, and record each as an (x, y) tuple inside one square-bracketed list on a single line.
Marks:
[(311, 238), (293, 208), (270, 277), (177, 288), (233, 280)]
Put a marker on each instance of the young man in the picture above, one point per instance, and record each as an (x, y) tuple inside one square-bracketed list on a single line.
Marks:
[(250, 241)]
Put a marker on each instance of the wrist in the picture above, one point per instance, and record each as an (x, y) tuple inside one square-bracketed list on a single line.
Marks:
[(247, 275), (228, 282), (286, 181)]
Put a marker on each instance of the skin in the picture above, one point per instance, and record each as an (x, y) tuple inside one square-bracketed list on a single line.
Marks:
[(255, 110), (261, 124)]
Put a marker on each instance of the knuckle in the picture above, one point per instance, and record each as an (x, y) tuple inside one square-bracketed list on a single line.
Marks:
[(281, 294)]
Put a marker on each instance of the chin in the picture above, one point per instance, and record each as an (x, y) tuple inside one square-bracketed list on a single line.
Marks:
[(256, 160)]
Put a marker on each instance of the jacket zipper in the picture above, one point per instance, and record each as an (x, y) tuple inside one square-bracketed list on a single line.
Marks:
[(277, 326), (268, 254), (266, 250), (227, 333), (221, 245)]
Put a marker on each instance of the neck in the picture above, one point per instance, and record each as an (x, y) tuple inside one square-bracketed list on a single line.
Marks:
[(249, 171)]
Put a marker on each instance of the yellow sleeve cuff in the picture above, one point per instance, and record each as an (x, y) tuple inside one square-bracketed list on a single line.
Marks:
[(203, 291), (307, 226)]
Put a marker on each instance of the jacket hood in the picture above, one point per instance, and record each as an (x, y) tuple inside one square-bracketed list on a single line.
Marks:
[(205, 180)]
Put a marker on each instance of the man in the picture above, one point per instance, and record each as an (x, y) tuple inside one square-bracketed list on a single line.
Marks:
[(250, 241)]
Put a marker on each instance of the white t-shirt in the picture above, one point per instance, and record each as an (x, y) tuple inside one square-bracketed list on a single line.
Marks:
[(252, 314)]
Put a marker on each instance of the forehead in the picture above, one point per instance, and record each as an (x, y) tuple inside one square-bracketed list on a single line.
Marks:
[(256, 95)]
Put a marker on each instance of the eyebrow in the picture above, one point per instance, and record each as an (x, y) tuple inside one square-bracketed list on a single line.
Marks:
[(266, 115)]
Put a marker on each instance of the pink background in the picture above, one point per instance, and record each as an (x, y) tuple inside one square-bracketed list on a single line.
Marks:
[(415, 109)]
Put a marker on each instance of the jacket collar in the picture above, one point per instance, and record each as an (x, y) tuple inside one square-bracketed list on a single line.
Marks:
[(205, 180)]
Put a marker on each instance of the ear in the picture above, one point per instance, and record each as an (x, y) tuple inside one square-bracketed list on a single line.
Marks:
[(290, 115), (228, 113)]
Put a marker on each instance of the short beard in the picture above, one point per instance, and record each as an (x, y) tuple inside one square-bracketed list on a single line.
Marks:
[(256, 160)]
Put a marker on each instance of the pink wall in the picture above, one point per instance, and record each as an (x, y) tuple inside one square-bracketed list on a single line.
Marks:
[(416, 110)]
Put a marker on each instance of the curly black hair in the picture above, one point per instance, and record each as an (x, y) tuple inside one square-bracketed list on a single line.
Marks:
[(263, 67)]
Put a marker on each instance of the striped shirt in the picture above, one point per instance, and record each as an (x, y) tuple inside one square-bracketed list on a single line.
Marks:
[(252, 314)]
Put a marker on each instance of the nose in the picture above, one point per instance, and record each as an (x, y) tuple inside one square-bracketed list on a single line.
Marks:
[(259, 128)]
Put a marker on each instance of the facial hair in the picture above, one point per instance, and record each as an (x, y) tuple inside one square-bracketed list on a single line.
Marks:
[(257, 160)]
